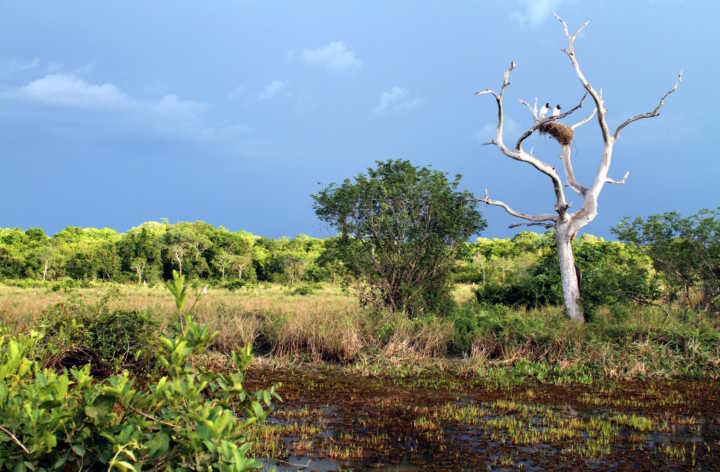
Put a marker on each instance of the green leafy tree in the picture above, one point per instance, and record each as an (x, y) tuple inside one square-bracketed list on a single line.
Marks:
[(221, 261), (400, 229), (685, 250)]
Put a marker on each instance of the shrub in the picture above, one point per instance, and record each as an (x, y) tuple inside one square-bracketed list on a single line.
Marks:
[(305, 289), (111, 341), (70, 420), (234, 284)]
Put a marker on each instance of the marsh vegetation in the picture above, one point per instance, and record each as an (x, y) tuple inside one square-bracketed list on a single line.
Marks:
[(488, 384)]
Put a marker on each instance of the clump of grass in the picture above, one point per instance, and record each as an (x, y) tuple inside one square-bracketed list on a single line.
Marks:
[(638, 423)]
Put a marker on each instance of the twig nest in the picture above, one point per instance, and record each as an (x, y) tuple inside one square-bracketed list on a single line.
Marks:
[(562, 134)]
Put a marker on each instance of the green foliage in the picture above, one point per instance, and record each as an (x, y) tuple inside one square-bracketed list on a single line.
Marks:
[(150, 252), (517, 346), (400, 229), (110, 341), (611, 273), (182, 420), (306, 289), (685, 250), (234, 284), (178, 289)]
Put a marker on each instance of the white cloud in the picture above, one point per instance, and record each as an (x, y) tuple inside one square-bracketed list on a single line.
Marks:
[(168, 115), (335, 56), (70, 91), (533, 12), (397, 99), (272, 89)]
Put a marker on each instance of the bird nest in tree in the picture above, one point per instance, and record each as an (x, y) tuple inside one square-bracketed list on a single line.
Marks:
[(562, 134)]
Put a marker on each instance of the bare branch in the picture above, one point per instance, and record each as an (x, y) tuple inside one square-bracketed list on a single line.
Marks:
[(486, 91), (14, 438), (519, 154), (531, 108), (570, 172), (597, 97), (584, 120), (618, 182), (529, 223), (565, 27), (498, 98), (535, 218), (655, 112)]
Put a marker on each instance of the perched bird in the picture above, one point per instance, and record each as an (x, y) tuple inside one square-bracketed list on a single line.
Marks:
[(544, 110), (556, 110)]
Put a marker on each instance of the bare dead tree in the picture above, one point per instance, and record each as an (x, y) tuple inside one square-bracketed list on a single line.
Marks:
[(566, 223), (139, 266)]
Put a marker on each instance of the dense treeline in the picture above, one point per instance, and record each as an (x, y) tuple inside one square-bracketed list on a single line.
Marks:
[(150, 252), (662, 257)]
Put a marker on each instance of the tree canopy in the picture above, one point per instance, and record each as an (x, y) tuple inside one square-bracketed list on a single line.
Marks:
[(400, 227)]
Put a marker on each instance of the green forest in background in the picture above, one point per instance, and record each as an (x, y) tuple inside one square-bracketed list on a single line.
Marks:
[(662, 257)]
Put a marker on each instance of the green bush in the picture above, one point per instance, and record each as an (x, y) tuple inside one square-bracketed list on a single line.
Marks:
[(234, 284), (182, 420), (305, 289), (611, 273), (466, 330), (111, 341)]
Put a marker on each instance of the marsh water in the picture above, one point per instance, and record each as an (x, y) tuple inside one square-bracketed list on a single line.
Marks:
[(332, 419)]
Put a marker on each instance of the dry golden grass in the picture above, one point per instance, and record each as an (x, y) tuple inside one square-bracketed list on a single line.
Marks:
[(324, 325), (329, 324)]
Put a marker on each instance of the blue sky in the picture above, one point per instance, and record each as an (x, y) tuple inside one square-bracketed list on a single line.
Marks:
[(115, 113)]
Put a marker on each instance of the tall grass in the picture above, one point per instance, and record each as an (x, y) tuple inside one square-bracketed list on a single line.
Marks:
[(329, 325)]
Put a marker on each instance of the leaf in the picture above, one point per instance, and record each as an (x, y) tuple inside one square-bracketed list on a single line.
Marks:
[(159, 444), (124, 465), (78, 449), (100, 407)]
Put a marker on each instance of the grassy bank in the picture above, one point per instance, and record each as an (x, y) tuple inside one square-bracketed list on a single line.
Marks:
[(501, 346)]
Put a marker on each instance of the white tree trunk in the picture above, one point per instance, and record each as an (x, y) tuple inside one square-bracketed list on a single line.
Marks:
[(45, 269), (568, 273), (566, 224)]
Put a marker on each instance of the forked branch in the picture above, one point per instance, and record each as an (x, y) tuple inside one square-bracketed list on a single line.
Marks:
[(597, 97), (570, 172), (653, 113), (519, 154)]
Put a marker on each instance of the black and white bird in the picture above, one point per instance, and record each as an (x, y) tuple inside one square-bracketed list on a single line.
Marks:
[(544, 110), (556, 111)]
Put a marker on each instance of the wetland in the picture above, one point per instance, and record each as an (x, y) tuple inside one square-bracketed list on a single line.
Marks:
[(334, 419)]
